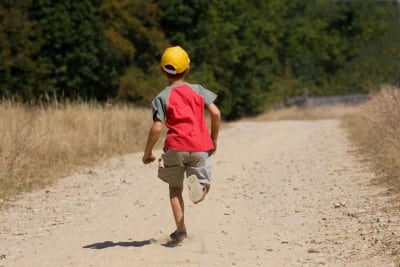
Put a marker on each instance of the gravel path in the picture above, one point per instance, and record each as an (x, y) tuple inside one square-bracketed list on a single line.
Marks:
[(289, 193)]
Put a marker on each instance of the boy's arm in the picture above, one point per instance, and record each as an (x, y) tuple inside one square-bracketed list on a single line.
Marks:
[(154, 134), (215, 116)]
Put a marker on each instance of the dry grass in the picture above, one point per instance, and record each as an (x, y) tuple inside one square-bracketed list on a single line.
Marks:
[(376, 129), (39, 144), (308, 113)]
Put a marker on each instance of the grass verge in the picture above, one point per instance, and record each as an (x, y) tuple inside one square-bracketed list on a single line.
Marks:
[(40, 144), (375, 128)]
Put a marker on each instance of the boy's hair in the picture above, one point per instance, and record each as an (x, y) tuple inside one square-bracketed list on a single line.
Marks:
[(175, 61)]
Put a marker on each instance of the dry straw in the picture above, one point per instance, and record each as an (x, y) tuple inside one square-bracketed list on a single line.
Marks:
[(376, 128), (38, 144)]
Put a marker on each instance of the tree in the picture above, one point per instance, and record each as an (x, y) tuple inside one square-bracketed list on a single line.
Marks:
[(251, 53), (135, 38), (374, 31), (75, 49), (21, 75)]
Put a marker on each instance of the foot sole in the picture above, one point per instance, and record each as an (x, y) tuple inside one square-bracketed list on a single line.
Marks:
[(196, 193)]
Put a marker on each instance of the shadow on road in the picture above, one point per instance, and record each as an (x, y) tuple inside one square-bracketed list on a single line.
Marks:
[(109, 244)]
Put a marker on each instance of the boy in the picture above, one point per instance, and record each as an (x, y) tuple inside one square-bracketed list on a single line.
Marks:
[(188, 144)]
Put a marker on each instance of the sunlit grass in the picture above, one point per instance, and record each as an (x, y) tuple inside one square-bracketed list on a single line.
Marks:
[(40, 144), (375, 128)]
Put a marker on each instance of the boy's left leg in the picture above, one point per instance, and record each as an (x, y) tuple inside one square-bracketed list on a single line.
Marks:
[(197, 191), (178, 210), (198, 169)]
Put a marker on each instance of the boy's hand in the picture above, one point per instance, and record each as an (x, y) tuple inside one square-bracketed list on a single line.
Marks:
[(212, 151), (148, 158)]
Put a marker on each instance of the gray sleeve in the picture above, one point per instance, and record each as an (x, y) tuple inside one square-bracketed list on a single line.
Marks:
[(158, 109), (209, 97), (159, 105)]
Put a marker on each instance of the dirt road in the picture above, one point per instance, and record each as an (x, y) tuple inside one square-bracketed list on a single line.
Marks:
[(290, 193)]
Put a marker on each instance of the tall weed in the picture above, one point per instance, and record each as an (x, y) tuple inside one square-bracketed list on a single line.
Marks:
[(38, 144), (376, 128)]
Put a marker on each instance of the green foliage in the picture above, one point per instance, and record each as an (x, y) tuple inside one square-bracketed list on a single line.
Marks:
[(375, 50), (81, 65), (253, 54), (135, 86), (334, 46), (20, 72), (136, 41)]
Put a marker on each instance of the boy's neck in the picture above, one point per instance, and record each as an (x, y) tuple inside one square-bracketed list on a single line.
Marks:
[(176, 82)]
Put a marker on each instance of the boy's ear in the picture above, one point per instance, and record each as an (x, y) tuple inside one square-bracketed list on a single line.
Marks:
[(186, 72)]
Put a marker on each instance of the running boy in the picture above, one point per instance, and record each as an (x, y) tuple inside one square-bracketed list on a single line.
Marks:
[(188, 144)]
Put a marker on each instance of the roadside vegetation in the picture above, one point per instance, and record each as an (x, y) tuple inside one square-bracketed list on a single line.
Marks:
[(375, 128), (39, 144)]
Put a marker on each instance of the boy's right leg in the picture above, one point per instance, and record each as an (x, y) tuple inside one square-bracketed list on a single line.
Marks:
[(172, 171), (178, 209)]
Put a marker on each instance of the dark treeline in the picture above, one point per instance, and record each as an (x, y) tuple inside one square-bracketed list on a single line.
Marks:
[(252, 53)]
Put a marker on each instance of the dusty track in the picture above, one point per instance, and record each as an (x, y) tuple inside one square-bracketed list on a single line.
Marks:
[(284, 194)]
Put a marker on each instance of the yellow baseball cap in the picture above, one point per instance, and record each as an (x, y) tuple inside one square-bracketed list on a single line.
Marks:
[(175, 60)]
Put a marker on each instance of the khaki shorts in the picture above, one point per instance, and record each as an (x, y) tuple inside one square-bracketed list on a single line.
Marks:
[(176, 163)]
